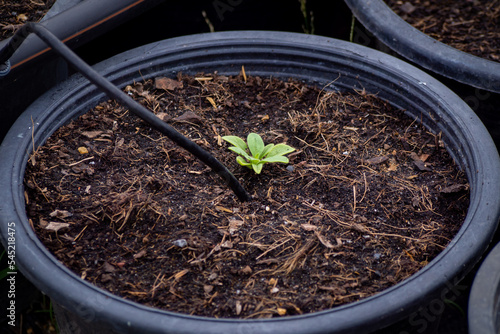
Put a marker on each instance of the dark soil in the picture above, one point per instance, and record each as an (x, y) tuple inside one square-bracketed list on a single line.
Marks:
[(368, 199), (14, 13), (472, 26)]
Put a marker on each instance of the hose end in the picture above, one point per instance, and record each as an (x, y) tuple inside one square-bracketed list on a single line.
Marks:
[(4, 68)]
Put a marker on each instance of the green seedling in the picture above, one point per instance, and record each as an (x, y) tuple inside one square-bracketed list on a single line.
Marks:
[(253, 154)]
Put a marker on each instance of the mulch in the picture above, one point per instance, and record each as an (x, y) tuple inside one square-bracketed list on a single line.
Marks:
[(369, 198)]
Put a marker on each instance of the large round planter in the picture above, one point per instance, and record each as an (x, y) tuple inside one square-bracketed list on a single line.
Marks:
[(484, 301), (423, 50), (316, 60)]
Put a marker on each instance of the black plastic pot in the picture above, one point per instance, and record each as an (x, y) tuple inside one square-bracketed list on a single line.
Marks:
[(423, 50), (58, 7), (35, 69), (484, 301), (316, 60)]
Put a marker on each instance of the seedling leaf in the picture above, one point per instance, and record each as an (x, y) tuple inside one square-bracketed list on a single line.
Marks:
[(266, 150), (276, 158), (280, 149), (239, 151), (255, 144), (243, 162), (236, 141), (259, 154), (257, 167)]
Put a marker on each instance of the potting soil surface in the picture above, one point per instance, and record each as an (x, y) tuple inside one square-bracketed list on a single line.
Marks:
[(15, 13), (469, 26), (368, 199)]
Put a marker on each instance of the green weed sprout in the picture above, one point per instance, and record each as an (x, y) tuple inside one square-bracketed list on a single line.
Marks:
[(254, 154)]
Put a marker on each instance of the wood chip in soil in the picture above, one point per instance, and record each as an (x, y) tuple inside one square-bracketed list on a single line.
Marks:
[(368, 199)]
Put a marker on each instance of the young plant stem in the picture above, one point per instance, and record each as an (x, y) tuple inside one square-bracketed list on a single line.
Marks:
[(114, 92)]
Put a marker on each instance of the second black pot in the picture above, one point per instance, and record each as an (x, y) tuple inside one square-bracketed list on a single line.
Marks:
[(424, 50)]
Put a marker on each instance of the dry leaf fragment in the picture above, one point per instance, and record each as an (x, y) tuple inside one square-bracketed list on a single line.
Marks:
[(109, 268), (43, 223), (54, 226), (164, 116), (419, 163), (140, 254), (189, 117), (323, 240), (247, 270), (92, 134), (61, 214), (120, 142), (106, 278), (454, 188), (393, 166), (424, 157), (377, 160), (208, 288), (234, 225), (227, 244), (360, 228), (407, 7), (167, 83), (309, 227)]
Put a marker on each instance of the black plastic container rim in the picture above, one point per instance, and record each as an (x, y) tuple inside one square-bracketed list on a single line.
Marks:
[(58, 7), (424, 50), (78, 23), (484, 301), (306, 57)]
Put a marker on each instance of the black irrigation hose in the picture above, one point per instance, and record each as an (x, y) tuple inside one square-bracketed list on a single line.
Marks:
[(115, 93)]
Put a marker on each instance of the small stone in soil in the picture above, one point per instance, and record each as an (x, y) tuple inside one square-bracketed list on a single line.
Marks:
[(180, 243)]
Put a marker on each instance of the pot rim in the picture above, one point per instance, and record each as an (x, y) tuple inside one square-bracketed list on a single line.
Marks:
[(484, 301), (424, 50), (479, 157)]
